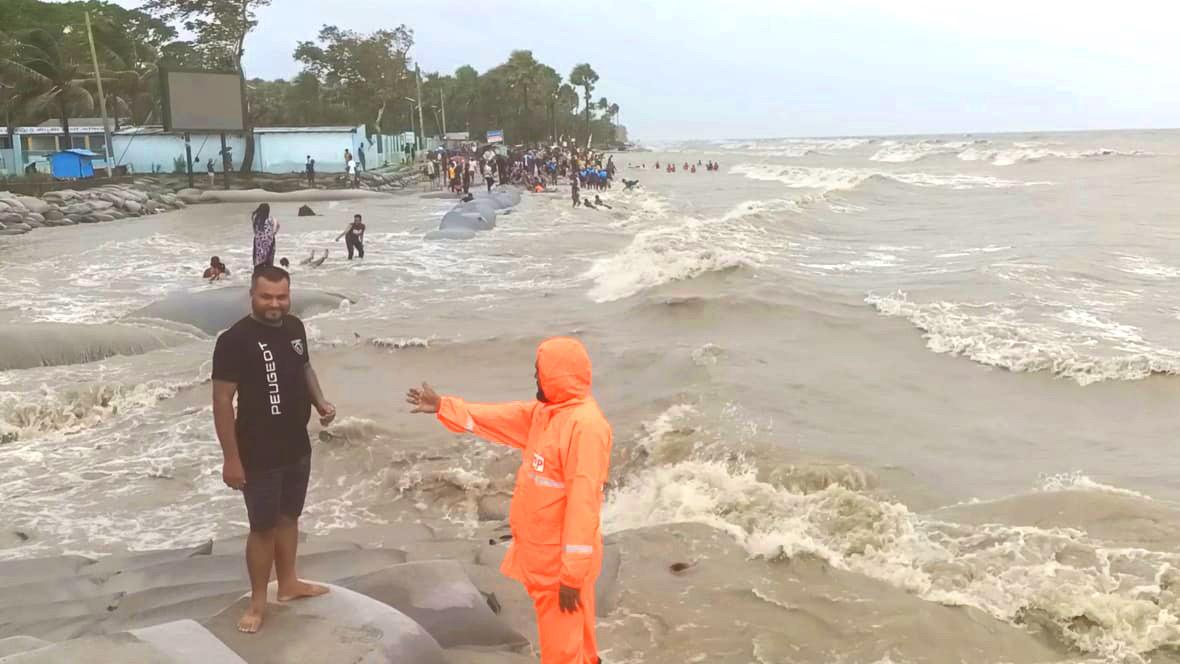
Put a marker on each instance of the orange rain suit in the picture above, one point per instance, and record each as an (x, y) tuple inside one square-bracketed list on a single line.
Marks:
[(565, 444)]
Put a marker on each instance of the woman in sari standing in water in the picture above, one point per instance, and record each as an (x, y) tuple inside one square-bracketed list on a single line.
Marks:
[(265, 230)]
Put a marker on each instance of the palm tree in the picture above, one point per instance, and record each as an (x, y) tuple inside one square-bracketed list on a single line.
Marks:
[(133, 69), (567, 98), (49, 79), (585, 77), (613, 112), (522, 69)]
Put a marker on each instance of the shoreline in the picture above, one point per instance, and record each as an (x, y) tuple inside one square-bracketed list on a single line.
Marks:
[(149, 195)]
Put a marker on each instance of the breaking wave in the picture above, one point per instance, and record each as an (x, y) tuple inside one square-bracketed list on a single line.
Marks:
[(1026, 153), (844, 179), (901, 152), (686, 249), (63, 411), (995, 336), (1101, 599)]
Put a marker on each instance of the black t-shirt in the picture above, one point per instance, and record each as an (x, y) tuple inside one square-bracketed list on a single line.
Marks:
[(267, 363)]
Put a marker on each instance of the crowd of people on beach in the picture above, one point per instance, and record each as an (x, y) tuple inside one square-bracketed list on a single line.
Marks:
[(537, 170)]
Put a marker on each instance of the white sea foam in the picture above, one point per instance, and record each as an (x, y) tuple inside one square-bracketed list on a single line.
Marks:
[(1146, 266), (1079, 481), (901, 152), (997, 336), (844, 179), (1029, 152), (684, 249), (1051, 576)]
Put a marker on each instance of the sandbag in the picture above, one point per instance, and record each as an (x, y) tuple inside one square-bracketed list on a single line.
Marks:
[(341, 626), (125, 563), (215, 310), (237, 545), (48, 591), (197, 601), (508, 193), (485, 208), (57, 629), (53, 344), (438, 596), (299, 196), (184, 642), (326, 566), (450, 234), (34, 611), (21, 572), (462, 218)]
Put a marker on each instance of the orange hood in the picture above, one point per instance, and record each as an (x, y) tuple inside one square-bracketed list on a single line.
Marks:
[(563, 369)]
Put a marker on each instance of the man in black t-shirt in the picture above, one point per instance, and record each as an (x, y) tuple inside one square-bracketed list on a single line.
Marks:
[(264, 359)]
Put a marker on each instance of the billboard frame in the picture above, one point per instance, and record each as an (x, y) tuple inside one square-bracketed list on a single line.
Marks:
[(166, 100)]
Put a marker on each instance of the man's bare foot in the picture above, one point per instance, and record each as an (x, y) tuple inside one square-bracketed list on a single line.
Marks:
[(251, 620), (300, 589)]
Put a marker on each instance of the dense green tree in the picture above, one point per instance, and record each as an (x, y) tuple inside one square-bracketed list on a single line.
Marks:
[(347, 77), (367, 73)]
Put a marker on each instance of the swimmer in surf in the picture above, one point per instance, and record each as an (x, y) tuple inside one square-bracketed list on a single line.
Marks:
[(216, 270)]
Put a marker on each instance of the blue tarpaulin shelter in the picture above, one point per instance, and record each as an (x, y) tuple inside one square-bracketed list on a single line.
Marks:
[(74, 163)]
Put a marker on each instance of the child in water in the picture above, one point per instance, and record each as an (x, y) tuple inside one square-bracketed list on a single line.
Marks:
[(216, 270)]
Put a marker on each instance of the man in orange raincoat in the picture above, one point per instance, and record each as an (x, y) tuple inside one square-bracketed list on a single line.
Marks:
[(565, 444)]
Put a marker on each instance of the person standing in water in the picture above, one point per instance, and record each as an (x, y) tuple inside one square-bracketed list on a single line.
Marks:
[(565, 445), (487, 176), (354, 237), (264, 360), (265, 230)]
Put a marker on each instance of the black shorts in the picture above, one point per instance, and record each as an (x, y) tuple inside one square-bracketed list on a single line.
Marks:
[(269, 493)]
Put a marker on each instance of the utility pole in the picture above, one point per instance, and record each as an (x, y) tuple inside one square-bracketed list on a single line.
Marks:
[(421, 121), (442, 99), (106, 131)]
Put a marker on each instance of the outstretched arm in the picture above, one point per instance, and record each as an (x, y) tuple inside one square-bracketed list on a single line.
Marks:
[(503, 423)]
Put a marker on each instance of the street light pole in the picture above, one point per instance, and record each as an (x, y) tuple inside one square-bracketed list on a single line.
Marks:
[(421, 122), (442, 99), (106, 131)]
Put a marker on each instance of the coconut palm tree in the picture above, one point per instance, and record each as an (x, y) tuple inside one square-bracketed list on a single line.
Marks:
[(584, 76), (567, 99), (49, 79)]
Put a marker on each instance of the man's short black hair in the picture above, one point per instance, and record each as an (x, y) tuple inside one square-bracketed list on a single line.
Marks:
[(270, 273)]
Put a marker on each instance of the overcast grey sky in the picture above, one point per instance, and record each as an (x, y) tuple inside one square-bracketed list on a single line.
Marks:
[(762, 68)]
